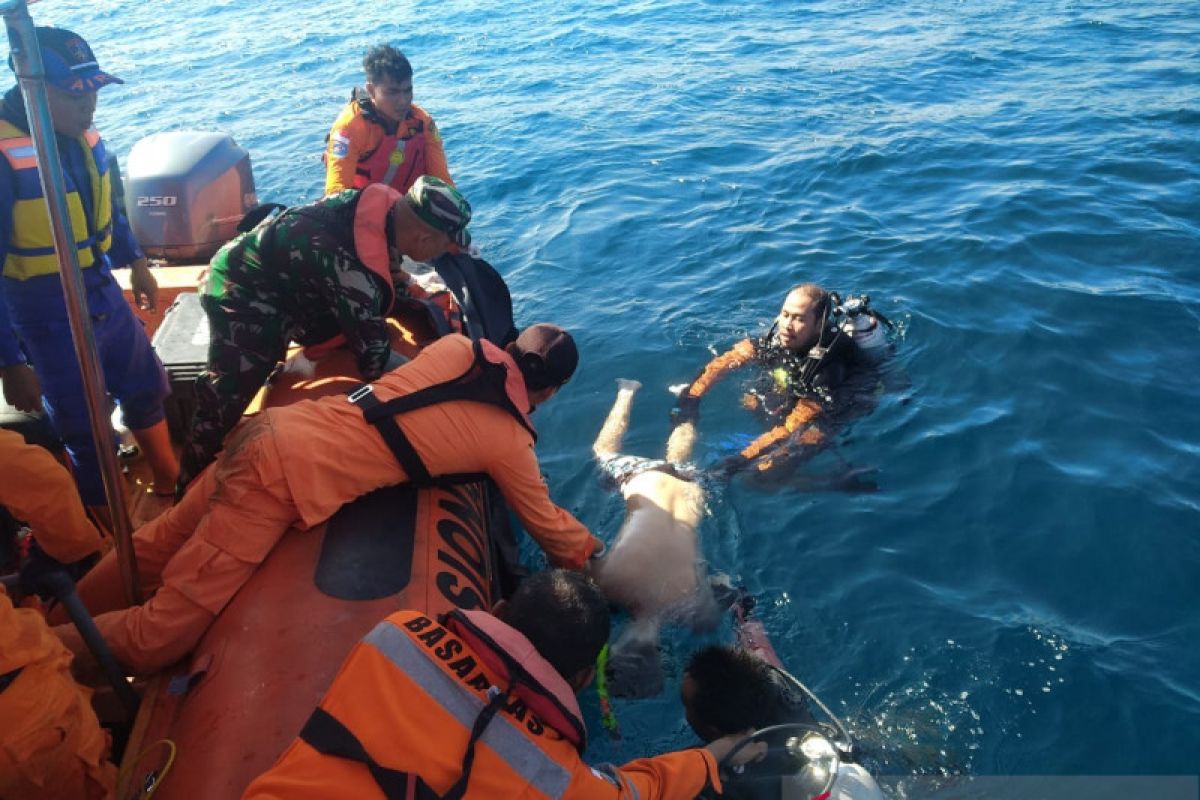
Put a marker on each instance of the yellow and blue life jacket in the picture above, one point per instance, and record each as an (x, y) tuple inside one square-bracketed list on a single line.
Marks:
[(31, 242)]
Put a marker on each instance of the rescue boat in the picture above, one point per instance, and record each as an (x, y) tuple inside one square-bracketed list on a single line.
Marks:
[(211, 723)]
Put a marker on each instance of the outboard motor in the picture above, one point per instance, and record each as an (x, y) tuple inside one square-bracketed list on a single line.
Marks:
[(866, 326), (186, 191)]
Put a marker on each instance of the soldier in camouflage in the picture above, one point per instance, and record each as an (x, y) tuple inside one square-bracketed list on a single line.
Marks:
[(320, 274)]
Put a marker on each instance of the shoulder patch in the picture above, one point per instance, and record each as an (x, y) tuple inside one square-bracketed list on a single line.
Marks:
[(339, 145)]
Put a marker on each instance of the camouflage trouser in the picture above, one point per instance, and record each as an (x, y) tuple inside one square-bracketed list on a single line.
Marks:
[(244, 347)]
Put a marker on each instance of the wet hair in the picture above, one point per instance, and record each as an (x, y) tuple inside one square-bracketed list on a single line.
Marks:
[(817, 295), (384, 61), (734, 691), (564, 616)]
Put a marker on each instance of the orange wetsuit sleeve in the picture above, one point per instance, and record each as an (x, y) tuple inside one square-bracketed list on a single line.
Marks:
[(565, 540), (350, 139), (738, 356), (804, 413), (38, 490), (672, 776)]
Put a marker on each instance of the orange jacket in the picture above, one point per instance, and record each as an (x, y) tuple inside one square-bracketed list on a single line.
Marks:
[(298, 465), (354, 139), (410, 693), (37, 490), (51, 744), (330, 455), (803, 413)]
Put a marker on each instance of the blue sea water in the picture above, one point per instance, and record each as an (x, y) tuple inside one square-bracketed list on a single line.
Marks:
[(1017, 184)]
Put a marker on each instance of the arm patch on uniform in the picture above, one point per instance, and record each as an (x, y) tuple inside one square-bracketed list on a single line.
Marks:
[(339, 145)]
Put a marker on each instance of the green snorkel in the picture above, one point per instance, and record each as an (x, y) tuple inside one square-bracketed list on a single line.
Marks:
[(607, 717)]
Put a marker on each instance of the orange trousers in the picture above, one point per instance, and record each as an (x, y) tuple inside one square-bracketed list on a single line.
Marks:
[(194, 557), (51, 744)]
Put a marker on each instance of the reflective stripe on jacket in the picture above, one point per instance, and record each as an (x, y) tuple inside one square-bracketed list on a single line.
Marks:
[(396, 162), (31, 245), (409, 696)]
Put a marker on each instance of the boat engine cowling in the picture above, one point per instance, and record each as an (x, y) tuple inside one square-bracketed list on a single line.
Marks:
[(186, 191)]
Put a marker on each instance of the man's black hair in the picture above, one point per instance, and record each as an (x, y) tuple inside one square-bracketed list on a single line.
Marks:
[(564, 616), (384, 61), (735, 691), (818, 295)]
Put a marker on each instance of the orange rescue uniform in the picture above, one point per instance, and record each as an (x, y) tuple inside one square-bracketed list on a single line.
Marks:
[(408, 696), (297, 465), (803, 413), (51, 744), (356, 136)]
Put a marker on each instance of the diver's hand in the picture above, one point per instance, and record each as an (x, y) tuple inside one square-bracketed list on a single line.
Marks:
[(143, 284), (687, 409), (628, 385), (720, 748), (729, 466), (22, 390)]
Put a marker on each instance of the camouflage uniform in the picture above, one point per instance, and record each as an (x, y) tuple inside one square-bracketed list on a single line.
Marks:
[(296, 277)]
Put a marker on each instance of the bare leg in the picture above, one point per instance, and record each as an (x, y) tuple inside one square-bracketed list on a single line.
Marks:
[(155, 444), (681, 442), (608, 442)]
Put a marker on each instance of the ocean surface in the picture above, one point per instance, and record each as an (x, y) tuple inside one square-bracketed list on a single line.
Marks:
[(1016, 185)]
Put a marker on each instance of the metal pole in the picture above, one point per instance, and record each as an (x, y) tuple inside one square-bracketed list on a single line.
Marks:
[(31, 75)]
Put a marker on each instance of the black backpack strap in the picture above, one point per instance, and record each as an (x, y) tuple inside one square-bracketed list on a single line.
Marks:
[(383, 418), (329, 737), (257, 214), (483, 382)]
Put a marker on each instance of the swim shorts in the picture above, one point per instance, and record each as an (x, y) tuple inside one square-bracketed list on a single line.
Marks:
[(620, 469)]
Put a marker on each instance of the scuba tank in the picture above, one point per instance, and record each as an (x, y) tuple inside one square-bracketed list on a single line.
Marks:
[(866, 327)]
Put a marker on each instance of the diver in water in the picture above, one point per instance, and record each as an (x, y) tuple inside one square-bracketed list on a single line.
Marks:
[(809, 363), (730, 689)]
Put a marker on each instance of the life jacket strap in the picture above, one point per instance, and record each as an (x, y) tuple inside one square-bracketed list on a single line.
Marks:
[(383, 418), (329, 737)]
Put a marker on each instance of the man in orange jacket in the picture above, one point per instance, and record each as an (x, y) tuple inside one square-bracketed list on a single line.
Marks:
[(51, 744), (381, 136), (298, 464), (475, 705)]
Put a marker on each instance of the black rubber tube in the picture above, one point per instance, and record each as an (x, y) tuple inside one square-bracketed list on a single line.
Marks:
[(59, 583)]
